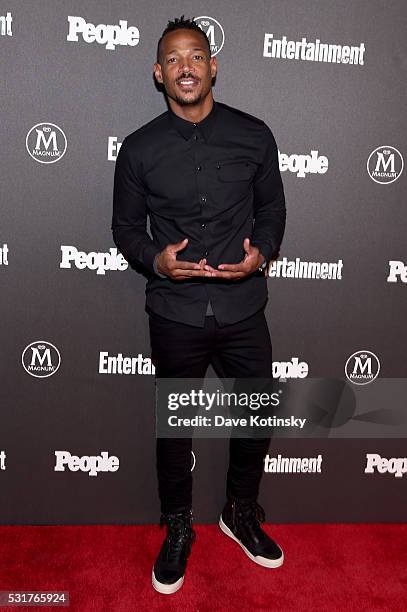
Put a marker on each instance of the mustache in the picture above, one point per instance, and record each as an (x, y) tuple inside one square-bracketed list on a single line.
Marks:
[(187, 76)]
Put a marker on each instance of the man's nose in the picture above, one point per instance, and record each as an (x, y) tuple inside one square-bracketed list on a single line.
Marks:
[(185, 66)]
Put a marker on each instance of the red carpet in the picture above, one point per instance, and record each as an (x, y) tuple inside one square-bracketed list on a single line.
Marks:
[(108, 568)]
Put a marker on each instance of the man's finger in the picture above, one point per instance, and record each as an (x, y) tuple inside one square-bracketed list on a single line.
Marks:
[(177, 272), (178, 246), (185, 265), (230, 275), (209, 268), (232, 267)]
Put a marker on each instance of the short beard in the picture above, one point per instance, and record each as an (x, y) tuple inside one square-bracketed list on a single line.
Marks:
[(193, 102)]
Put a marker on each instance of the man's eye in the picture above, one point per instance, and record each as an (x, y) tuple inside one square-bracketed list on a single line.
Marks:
[(171, 58), (200, 56)]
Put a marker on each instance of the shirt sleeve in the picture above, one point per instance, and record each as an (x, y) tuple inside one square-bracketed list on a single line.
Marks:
[(155, 268), (129, 220), (269, 201)]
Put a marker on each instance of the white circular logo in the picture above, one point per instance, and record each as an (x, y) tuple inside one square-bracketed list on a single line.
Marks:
[(46, 143), (214, 32), (41, 359), (362, 367), (385, 165)]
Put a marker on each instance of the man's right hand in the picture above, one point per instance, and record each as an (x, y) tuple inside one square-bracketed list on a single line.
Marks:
[(168, 264)]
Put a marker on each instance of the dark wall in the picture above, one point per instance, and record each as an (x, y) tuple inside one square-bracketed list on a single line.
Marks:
[(339, 127)]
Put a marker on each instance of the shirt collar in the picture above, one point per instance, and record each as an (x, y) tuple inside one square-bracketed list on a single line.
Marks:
[(187, 128)]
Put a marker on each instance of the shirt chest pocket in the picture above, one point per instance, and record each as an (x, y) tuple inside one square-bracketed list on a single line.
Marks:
[(232, 171)]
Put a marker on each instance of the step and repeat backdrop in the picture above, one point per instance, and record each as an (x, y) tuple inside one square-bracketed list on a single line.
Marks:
[(77, 421)]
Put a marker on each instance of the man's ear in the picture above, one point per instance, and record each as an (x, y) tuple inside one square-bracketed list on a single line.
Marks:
[(214, 66), (157, 72)]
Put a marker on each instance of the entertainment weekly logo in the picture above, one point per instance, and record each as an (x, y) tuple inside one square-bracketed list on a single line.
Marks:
[(285, 268), (95, 261), (119, 364), (6, 24), (113, 148), (92, 464), (397, 271), (315, 51), (292, 465), (4, 255), (111, 36), (397, 466)]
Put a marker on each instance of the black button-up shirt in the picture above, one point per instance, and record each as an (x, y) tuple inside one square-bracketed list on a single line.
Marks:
[(215, 182)]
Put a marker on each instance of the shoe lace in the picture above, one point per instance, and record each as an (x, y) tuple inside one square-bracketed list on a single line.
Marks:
[(250, 514), (179, 534)]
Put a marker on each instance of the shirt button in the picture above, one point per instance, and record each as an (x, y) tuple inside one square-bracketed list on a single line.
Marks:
[(198, 168), (203, 199), (206, 252), (203, 225), (195, 137)]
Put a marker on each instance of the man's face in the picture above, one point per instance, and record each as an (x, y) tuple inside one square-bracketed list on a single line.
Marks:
[(186, 68)]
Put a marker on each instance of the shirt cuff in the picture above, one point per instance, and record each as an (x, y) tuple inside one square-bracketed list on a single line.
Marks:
[(265, 250), (155, 267)]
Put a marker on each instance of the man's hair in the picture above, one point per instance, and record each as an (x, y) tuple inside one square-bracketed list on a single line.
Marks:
[(181, 23)]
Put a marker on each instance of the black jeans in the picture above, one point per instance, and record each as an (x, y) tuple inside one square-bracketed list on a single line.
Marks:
[(179, 350)]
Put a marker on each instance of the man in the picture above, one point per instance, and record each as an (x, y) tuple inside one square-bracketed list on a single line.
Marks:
[(207, 176)]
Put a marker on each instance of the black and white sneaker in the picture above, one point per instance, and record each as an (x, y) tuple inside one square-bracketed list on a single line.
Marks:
[(169, 568), (241, 522)]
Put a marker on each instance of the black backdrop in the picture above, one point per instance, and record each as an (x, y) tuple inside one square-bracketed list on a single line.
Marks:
[(69, 103)]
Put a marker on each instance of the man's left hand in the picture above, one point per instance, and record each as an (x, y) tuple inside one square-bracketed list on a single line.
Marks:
[(251, 263)]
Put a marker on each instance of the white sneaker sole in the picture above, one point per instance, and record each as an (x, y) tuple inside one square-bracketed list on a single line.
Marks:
[(167, 589), (271, 563)]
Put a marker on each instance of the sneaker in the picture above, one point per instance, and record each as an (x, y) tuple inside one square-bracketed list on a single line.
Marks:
[(169, 568), (241, 522)]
